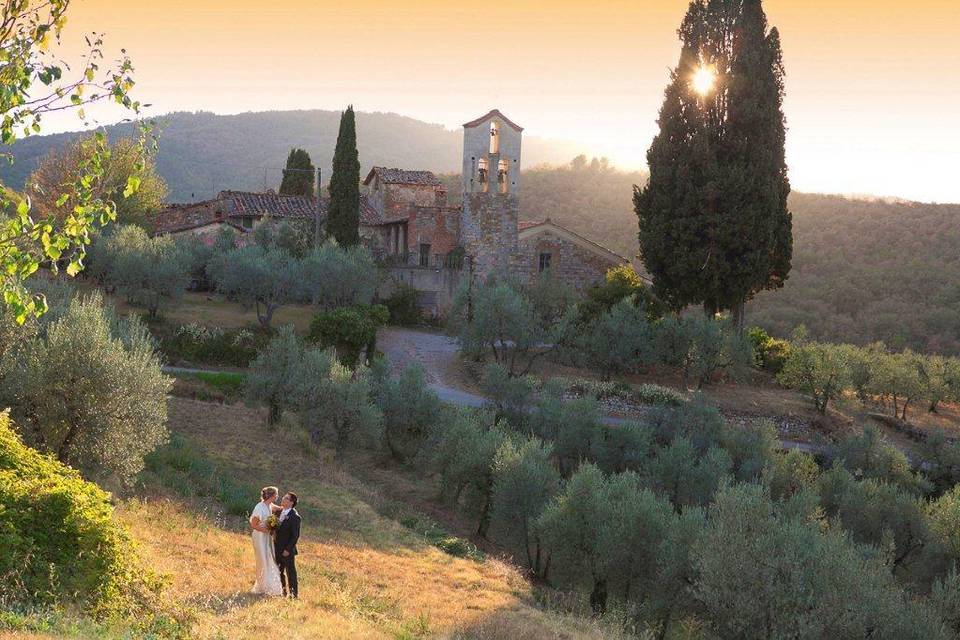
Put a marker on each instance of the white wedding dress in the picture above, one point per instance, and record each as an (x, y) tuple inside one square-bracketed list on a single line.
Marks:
[(268, 573)]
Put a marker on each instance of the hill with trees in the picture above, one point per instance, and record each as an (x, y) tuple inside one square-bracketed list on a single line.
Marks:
[(863, 269), (202, 153)]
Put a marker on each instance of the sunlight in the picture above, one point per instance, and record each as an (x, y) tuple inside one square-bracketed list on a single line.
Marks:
[(703, 80)]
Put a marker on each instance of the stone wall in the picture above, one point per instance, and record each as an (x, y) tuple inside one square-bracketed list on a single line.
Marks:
[(437, 286), (437, 226), (398, 198), (570, 263), (488, 231)]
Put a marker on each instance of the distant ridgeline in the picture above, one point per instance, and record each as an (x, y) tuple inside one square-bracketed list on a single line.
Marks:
[(863, 270), (203, 153)]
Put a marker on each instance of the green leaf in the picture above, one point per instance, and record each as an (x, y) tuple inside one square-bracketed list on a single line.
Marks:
[(133, 184)]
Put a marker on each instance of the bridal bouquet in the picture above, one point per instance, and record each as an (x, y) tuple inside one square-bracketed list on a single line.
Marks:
[(273, 522)]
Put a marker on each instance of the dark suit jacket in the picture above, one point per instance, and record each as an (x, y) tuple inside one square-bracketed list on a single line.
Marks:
[(287, 535)]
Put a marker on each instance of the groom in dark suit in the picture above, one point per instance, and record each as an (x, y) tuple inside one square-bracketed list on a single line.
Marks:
[(285, 543)]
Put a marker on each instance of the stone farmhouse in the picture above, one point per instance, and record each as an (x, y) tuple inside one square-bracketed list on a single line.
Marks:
[(421, 240)]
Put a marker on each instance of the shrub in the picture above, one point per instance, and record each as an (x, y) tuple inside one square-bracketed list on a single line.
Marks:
[(197, 344), (656, 395), (350, 330), (60, 541), (771, 353), (403, 306), (90, 390)]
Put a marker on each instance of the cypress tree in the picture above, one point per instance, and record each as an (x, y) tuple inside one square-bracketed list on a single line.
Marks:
[(298, 176), (713, 219), (343, 222)]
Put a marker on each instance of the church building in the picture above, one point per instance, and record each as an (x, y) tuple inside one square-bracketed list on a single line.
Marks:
[(417, 235), (410, 223)]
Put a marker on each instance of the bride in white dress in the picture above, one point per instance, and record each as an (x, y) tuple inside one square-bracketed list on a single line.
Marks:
[(268, 573)]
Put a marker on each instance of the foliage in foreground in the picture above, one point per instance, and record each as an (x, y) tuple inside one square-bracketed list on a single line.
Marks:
[(88, 388), (30, 69), (61, 544)]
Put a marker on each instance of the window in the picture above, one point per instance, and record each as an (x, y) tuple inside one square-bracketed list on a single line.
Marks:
[(424, 255), (247, 222), (544, 261), (502, 170), (494, 137), (482, 173)]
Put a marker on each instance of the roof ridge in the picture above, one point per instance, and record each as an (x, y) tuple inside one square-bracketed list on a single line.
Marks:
[(490, 114)]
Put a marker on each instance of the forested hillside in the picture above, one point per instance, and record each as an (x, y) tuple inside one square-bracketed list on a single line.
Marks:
[(863, 270), (202, 153)]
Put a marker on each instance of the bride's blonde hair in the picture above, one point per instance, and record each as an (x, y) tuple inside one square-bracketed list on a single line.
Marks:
[(268, 492)]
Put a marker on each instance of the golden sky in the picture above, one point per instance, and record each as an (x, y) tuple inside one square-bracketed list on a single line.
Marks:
[(873, 86)]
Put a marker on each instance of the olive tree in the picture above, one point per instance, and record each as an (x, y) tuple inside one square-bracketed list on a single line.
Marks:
[(571, 531), (870, 455), (409, 408), (89, 389), (524, 481), (618, 341), (334, 398), (769, 570), (685, 477), (336, 277), (265, 278), (273, 374), (636, 522), (515, 323), (820, 370), (146, 270), (700, 347), (460, 450)]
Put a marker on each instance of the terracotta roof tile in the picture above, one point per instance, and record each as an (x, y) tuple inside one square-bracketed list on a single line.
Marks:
[(243, 204), (403, 176), (247, 203)]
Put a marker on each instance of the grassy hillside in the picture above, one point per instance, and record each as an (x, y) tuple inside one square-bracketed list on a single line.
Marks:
[(202, 153), (363, 573)]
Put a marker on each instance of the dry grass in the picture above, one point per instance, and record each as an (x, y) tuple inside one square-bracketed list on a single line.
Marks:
[(362, 575), (213, 310)]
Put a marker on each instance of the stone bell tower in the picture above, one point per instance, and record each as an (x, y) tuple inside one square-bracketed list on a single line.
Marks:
[(491, 180)]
